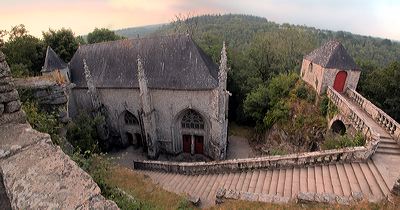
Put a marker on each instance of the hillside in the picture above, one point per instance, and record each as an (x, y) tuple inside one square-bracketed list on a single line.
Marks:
[(240, 30)]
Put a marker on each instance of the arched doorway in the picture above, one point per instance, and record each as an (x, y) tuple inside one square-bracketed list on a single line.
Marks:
[(193, 132), (130, 130), (338, 127), (340, 81)]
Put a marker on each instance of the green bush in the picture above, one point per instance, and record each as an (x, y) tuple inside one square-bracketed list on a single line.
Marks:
[(278, 113), (302, 92), (82, 133), (42, 121), (324, 105), (338, 142), (256, 103)]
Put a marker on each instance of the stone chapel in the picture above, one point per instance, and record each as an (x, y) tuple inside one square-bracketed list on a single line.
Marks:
[(160, 93), (330, 65)]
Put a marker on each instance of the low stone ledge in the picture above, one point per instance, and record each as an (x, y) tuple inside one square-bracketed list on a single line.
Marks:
[(248, 196), (15, 117), (38, 175), (42, 176), (328, 198), (14, 137)]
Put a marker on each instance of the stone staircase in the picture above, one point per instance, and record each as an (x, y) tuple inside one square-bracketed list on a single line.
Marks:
[(372, 178), (341, 179), (388, 146)]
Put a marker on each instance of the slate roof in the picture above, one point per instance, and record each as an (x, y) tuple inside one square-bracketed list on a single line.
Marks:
[(332, 55), (52, 61), (170, 62)]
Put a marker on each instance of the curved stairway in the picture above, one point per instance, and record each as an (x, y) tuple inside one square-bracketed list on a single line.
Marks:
[(373, 179), (338, 179)]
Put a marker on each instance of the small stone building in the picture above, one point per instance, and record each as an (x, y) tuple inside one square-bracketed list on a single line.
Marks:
[(161, 93), (330, 65)]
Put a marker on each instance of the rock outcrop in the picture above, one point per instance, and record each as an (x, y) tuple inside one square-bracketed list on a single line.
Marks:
[(35, 173)]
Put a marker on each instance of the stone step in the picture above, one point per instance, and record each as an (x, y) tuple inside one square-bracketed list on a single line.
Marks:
[(379, 178), (371, 180), (390, 151), (365, 188), (389, 145)]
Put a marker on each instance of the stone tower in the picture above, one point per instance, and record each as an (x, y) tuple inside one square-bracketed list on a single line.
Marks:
[(330, 65), (148, 112)]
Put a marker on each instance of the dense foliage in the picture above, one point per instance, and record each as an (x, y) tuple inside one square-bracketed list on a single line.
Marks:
[(63, 42), (102, 35)]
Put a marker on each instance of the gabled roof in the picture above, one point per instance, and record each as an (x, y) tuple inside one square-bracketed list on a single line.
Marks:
[(52, 61), (170, 62), (332, 55)]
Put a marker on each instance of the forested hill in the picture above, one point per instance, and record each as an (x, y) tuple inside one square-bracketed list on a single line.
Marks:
[(240, 30)]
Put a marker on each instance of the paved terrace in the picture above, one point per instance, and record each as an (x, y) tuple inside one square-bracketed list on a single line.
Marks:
[(339, 179)]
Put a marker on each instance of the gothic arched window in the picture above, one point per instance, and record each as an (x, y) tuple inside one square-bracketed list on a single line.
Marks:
[(130, 119), (310, 67), (193, 120)]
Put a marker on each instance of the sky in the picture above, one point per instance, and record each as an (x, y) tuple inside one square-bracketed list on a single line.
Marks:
[(380, 18)]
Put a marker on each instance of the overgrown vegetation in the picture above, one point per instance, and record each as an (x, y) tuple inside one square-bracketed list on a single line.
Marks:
[(42, 121), (82, 133), (335, 141)]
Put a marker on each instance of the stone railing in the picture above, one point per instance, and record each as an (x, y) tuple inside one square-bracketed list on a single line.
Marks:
[(354, 154), (388, 123), (358, 121)]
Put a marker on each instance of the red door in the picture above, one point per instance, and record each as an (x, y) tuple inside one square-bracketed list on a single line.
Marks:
[(187, 142), (340, 80), (198, 144)]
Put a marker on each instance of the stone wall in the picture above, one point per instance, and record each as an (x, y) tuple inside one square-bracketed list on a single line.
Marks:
[(9, 100), (35, 173), (51, 94)]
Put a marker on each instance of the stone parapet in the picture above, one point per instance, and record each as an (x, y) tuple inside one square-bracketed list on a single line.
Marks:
[(34, 173), (383, 119), (353, 154)]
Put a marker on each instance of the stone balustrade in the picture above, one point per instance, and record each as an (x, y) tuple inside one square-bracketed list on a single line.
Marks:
[(358, 121), (388, 123), (352, 154)]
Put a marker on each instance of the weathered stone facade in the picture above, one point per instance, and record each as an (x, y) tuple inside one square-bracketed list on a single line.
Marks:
[(173, 116)]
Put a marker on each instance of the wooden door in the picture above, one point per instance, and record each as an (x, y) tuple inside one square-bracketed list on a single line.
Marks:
[(198, 144), (187, 143), (340, 81)]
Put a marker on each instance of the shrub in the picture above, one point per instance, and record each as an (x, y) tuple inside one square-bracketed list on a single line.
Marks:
[(42, 121), (278, 113), (82, 133), (256, 103), (302, 92), (323, 106), (338, 142)]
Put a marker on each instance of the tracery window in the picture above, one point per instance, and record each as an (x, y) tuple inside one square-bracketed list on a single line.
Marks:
[(192, 120), (130, 119)]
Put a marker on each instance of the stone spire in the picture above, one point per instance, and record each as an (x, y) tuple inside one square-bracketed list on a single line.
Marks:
[(91, 88), (222, 78), (223, 96), (223, 68), (149, 120)]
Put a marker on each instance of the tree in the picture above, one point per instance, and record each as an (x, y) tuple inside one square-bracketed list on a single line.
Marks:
[(256, 103), (62, 41), (102, 35), (25, 53), (382, 88)]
